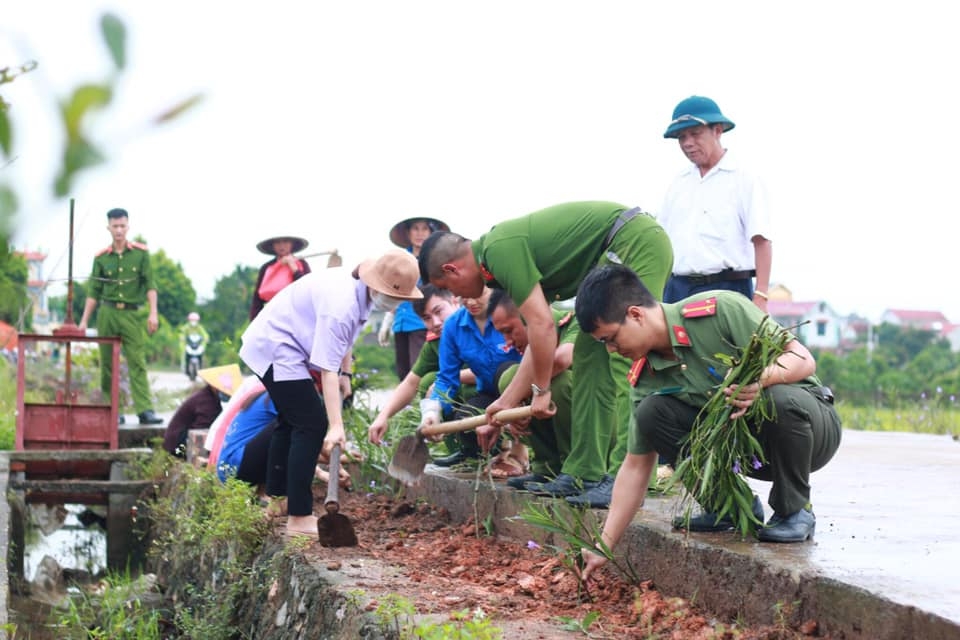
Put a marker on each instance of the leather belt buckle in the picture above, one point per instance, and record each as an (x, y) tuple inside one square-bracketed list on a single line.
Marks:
[(120, 305)]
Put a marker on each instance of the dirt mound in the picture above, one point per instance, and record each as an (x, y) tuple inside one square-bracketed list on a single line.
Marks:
[(444, 567)]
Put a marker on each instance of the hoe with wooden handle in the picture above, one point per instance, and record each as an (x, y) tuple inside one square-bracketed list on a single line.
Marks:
[(333, 528), (412, 454)]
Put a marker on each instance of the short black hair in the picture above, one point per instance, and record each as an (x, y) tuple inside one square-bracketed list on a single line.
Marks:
[(499, 298), (429, 291), (438, 249), (605, 294), (113, 214)]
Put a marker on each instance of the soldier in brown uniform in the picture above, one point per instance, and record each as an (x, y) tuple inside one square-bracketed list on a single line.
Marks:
[(122, 281)]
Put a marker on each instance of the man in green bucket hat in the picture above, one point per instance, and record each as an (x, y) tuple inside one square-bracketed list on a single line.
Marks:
[(715, 212)]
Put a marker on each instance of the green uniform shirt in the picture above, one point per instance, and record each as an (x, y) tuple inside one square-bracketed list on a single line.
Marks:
[(429, 359), (555, 246), (701, 326), (567, 326), (122, 277)]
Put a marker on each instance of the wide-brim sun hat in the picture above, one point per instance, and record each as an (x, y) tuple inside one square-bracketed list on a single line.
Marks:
[(266, 246), (395, 274), (226, 378), (400, 233), (696, 111)]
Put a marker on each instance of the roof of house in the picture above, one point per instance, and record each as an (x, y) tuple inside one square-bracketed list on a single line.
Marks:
[(918, 316), (790, 309)]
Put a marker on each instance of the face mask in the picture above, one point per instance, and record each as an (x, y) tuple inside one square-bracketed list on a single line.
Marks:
[(385, 303)]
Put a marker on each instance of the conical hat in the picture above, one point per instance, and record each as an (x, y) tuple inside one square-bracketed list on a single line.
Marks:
[(226, 378), (400, 233)]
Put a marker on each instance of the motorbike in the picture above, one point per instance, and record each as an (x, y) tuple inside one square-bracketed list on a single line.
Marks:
[(193, 352)]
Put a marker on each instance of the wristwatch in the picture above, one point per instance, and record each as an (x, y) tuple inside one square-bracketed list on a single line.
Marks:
[(539, 391)]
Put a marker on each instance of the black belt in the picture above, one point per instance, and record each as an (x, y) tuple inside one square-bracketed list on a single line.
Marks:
[(824, 393), (623, 218), (727, 275), (124, 306)]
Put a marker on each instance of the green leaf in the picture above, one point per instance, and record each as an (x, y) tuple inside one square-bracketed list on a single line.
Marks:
[(115, 37), (6, 134), (78, 155), (84, 99)]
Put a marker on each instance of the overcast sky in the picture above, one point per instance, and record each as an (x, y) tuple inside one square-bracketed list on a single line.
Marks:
[(334, 120)]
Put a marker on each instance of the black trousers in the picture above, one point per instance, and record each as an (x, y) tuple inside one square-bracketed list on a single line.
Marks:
[(296, 442), (802, 439), (407, 346), (253, 464)]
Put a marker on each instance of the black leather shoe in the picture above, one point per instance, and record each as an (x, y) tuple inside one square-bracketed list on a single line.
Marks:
[(596, 498), (560, 487), (453, 459), (518, 482), (149, 417), (707, 522), (793, 528)]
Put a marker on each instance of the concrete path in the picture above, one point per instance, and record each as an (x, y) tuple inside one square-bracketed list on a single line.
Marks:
[(888, 519)]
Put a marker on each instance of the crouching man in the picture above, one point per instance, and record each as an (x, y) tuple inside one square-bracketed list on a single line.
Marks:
[(673, 346)]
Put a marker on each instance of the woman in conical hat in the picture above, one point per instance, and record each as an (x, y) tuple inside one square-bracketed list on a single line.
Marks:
[(408, 330), (275, 274)]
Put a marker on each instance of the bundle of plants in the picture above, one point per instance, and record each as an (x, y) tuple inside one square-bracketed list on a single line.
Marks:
[(720, 449)]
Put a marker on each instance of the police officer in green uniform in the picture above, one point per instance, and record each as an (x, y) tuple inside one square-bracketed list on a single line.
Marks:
[(541, 258), (675, 351), (122, 281), (550, 437)]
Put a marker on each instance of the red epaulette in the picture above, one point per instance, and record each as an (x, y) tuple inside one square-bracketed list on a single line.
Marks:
[(485, 273), (565, 320), (137, 245), (635, 371), (106, 249), (700, 308), (431, 336)]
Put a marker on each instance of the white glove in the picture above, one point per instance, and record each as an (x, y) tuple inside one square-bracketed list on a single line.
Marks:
[(383, 336), (429, 411)]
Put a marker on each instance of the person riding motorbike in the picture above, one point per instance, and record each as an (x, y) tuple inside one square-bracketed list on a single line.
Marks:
[(193, 342)]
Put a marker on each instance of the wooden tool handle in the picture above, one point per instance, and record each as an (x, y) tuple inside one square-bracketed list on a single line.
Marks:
[(332, 502), (465, 424)]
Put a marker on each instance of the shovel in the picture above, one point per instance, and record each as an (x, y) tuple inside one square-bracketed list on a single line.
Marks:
[(412, 454), (333, 528)]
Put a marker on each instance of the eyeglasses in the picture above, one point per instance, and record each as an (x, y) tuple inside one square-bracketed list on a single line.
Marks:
[(687, 118), (612, 340)]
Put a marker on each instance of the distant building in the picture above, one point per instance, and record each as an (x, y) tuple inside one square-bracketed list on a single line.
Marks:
[(36, 287), (925, 320), (816, 324)]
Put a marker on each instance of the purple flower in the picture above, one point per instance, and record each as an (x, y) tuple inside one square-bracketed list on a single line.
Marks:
[(532, 545), (736, 466), (756, 464)]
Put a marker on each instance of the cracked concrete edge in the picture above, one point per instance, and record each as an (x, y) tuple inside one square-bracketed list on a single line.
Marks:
[(752, 589)]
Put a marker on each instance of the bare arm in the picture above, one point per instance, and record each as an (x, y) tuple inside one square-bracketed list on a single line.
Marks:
[(763, 257), (330, 381), (153, 321), (562, 359), (402, 395), (794, 365), (629, 490), (88, 306)]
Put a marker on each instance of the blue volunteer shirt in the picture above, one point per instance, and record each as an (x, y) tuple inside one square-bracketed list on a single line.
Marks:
[(462, 344), (248, 423), (405, 320)]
